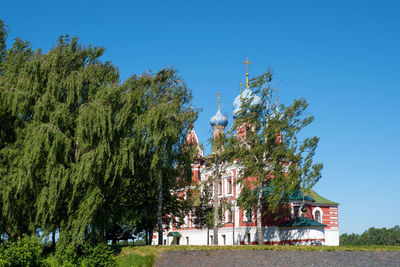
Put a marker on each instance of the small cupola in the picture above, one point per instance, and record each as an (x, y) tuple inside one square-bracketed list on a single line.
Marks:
[(219, 120)]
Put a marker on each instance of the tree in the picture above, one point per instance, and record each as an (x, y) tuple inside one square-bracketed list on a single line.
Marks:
[(373, 237), (268, 149), (80, 152), (217, 162), (203, 208)]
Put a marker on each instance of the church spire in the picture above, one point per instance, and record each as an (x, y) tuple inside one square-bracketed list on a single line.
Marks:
[(247, 70), (219, 106)]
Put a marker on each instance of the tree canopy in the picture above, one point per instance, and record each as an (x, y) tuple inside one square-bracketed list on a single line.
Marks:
[(373, 237), (264, 140), (82, 152)]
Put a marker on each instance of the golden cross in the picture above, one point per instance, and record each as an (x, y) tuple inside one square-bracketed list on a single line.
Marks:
[(247, 70), (218, 94), (276, 97)]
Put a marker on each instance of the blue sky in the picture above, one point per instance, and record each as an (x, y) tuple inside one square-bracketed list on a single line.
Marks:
[(342, 56)]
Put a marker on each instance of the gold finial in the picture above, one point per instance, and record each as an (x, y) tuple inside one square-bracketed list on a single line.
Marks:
[(276, 97), (247, 70), (219, 107)]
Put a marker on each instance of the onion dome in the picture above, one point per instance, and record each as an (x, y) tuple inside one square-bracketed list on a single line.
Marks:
[(243, 97), (219, 120)]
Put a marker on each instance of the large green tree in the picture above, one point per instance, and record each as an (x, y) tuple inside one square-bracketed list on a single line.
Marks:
[(80, 152), (268, 148)]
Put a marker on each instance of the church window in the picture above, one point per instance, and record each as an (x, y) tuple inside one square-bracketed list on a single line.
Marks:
[(296, 211), (219, 188), (229, 216), (229, 186), (187, 240), (317, 216), (248, 216)]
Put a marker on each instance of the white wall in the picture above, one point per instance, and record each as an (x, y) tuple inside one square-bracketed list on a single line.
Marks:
[(331, 237), (302, 233), (270, 233)]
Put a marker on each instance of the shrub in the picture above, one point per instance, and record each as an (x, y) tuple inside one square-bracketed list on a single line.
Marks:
[(68, 256), (88, 256), (100, 255), (26, 251)]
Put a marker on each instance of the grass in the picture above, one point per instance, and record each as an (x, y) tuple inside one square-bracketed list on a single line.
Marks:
[(146, 255)]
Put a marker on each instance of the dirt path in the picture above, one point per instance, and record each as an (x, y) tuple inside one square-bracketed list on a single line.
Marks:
[(278, 258)]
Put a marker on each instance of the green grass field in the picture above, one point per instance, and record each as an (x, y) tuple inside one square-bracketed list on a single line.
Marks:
[(146, 255)]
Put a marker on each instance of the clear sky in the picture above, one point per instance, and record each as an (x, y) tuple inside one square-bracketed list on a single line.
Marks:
[(342, 56)]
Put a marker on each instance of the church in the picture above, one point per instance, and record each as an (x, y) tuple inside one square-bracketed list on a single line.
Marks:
[(312, 219)]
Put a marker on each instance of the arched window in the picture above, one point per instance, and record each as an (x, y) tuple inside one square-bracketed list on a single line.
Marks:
[(317, 216)]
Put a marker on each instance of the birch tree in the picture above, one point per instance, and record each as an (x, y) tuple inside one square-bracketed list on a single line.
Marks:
[(270, 152)]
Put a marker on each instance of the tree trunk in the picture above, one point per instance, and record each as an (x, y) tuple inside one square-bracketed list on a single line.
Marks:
[(259, 215), (159, 213), (146, 237), (215, 227), (53, 240)]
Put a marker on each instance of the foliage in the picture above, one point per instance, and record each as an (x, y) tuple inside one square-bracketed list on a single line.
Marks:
[(203, 208), (26, 251), (264, 141), (372, 237), (82, 153), (271, 147), (100, 255), (87, 255)]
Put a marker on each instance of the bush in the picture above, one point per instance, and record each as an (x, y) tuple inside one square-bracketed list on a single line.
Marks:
[(26, 251), (88, 256), (100, 255)]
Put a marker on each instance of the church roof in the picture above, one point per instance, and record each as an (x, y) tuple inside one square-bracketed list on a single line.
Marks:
[(321, 200), (295, 195), (301, 221), (298, 195), (219, 120)]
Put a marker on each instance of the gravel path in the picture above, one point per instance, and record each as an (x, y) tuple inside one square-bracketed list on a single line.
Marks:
[(278, 258)]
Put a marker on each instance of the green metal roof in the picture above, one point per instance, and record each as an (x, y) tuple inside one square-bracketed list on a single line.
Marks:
[(177, 234), (321, 200), (298, 195), (295, 195), (301, 221)]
